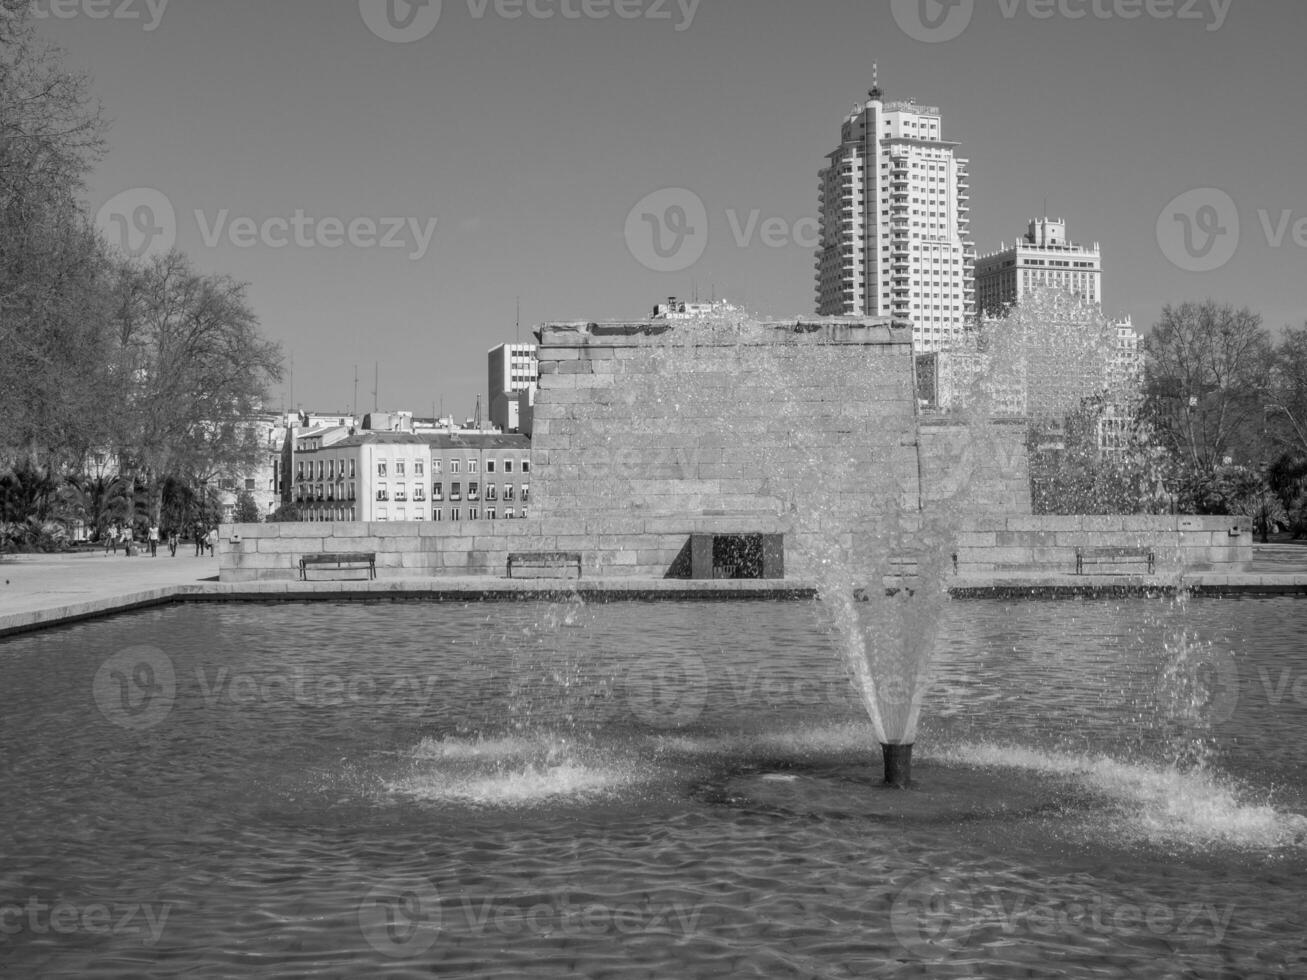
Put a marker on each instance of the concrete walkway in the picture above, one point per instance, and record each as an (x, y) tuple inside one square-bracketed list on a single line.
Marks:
[(44, 590)]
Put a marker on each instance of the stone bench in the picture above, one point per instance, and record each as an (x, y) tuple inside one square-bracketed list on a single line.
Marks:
[(340, 561), (1118, 555), (545, 564)]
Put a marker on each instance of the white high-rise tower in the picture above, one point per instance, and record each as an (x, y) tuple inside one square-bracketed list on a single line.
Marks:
[(895, 223)]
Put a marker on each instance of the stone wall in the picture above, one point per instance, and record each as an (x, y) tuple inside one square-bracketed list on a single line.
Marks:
[(646, 433), (803, 427), (999, 543)]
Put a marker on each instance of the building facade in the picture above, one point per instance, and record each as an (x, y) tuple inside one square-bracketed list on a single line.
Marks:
[(512, 368), (1043, 258), (895, 223), (404, 476)]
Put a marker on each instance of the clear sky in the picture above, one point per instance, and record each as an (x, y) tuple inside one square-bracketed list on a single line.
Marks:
[(530, 139)]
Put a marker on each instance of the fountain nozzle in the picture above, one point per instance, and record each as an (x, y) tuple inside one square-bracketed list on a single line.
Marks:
[(898, 765)]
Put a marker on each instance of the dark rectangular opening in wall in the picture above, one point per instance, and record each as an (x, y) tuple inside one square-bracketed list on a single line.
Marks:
[(751, 556)]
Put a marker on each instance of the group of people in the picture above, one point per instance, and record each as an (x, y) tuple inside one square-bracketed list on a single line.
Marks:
[(121, 533)]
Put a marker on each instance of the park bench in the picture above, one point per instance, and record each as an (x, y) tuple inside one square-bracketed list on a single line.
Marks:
[(1117, 555), (339, 561), (545, 564)]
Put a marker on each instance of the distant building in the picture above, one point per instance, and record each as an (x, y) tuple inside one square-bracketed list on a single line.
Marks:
[(895, 223), (1042, 258), (405, 476), (512, 368), (480, 477), (675, 309)]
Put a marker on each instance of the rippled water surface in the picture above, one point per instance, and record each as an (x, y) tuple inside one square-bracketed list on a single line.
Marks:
[(1104, 789)]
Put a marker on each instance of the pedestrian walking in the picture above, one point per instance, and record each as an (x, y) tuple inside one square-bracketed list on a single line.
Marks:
[(111, 539), (153, 537), (198, 531), (211, 539), (127, 540), (172, 541)]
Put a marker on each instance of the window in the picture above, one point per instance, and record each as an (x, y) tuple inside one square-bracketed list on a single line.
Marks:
[(331, 469), (419, 492), (352, 494), (418, 468), (508, 491), (492, 492), (490, 466), (455, 514), (453, 466), (437, 465), (351, 469), (526, 466), (437, 491), (249, 483), (456, 492), (473, 515), (526, 492), (399, 467), (490, 513), (474, 491), (508, 513), (437, 514), (508, 466), (471, 465), (227, 484), (381, 469), (383, 494)]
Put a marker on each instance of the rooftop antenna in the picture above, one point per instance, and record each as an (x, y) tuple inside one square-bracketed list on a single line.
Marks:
[(292, 380), (519, 319), (875, 92), (354, 408)]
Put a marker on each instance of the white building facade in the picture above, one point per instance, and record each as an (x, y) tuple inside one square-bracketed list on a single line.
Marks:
[(895, 223), (512, 368), (1043, 258)]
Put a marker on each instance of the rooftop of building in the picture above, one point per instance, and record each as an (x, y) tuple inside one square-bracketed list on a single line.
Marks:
[(436, 440)]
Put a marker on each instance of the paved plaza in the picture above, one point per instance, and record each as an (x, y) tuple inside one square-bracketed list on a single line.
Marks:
[(43, 590)]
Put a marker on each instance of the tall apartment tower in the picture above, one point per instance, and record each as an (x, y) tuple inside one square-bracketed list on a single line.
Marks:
[(895, 223), (1043, 258), (512, 368)]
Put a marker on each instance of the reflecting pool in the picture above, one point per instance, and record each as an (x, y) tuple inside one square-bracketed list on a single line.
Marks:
[(1107, 788)]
